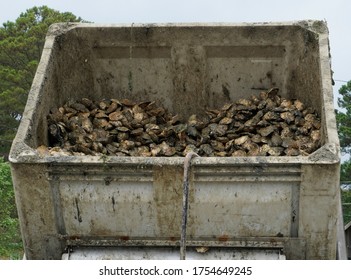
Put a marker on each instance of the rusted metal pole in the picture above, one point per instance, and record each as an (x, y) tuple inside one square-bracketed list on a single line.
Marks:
[(187, 163)]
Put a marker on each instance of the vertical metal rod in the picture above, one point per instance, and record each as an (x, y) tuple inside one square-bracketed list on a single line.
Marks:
[(187, 163)]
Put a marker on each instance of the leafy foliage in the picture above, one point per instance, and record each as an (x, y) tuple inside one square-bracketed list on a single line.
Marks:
[(21, 45), (344, 117), (345, 178), (10, 238), (345, 173), (346, 200)]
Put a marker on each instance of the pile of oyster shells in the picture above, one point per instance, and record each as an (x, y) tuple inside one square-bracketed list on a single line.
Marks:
[(264, 125)]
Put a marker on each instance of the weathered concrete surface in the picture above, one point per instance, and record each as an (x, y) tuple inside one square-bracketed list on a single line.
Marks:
[(259, 202)]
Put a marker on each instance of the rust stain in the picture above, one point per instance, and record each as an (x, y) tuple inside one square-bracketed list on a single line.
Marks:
[(223, 238), (72, 237), (272, 240), (124, 237)]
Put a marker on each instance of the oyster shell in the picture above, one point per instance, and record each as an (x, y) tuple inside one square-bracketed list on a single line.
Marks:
[(263, 125)]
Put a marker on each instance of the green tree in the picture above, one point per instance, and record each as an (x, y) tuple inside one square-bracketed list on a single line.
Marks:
[(346, 209), (343, 118), (21, 44), (345, 174), (10, 238)]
